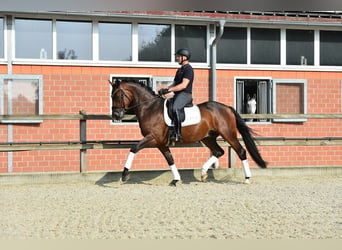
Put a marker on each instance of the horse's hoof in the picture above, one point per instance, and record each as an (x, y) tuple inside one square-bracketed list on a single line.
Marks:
[(173, 183), (247, 181), (125, 178), (204, 177)]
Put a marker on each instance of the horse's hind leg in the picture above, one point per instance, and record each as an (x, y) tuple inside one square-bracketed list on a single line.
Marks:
[(241, 152), (216, 151)]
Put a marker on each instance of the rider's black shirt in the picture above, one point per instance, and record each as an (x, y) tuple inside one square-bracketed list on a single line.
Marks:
[(186, 71)]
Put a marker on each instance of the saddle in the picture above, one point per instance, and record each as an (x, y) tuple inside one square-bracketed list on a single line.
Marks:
[(190, 115)]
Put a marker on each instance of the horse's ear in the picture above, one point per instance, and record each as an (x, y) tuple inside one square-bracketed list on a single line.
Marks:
[(111, 83)]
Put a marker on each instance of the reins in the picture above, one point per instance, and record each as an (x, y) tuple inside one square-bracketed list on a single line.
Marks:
[(134, 106), (137, 105)]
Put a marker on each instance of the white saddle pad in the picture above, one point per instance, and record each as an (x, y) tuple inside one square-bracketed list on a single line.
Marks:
[(192, 116)]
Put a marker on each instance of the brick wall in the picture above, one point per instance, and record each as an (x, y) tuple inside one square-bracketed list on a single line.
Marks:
[(68, 89)]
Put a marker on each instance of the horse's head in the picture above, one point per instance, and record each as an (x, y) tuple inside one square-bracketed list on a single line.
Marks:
[(121, 100), (251, 104)]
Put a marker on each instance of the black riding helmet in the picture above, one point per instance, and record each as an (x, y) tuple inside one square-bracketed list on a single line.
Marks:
[(184, 52)]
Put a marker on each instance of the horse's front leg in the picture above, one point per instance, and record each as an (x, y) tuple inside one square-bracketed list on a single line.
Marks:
[(145, 142), (168, 156)]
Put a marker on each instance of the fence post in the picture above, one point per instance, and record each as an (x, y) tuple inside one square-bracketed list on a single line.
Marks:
[(231, 157), (83, 139)]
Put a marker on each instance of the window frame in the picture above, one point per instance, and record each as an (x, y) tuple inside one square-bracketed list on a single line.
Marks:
[(255, 45), (15, 38), (9, 31), (112, 77), (39, 78), (274, 98), (166, 79), (242, 100), (2, 29)]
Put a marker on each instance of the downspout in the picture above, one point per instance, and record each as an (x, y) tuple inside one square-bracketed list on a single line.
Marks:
[(212, 73), (9, 28)]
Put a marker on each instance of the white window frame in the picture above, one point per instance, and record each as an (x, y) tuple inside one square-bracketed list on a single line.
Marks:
[(274, 98), (266, 78), (157, 79), (40, 95), (124, 76)]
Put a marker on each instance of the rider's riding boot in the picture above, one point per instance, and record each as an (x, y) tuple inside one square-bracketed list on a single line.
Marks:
[(178, 125)]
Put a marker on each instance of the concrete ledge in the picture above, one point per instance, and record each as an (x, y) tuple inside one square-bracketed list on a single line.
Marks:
[(160, 176)]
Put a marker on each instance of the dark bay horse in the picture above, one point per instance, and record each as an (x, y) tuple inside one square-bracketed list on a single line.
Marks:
[(217, 119)]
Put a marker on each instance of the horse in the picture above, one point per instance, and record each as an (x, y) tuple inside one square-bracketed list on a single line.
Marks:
[(251, 105), (217, 119)]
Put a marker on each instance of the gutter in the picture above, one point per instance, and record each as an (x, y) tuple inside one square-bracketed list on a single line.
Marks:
[(212, 63)]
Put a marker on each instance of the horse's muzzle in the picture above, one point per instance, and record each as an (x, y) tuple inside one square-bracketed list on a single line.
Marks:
[(117, 114)]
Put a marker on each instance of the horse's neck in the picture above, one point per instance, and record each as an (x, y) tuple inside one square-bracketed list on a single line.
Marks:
[(141, 96), (143, 100)]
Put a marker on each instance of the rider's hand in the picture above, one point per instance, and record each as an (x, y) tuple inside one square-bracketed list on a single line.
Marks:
[(163, 91)]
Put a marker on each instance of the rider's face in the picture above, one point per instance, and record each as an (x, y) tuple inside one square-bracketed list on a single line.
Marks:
[(179, 59)]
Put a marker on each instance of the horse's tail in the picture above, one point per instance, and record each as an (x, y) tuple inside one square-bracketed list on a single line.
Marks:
[(248, 139)]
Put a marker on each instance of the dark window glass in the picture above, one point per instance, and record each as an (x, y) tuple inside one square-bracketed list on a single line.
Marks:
[(299, 47), (265, 46), (154, 42), (232, 47), (74, 40), (1, 37), (33, 39), (115, 41), (193, 38), (331, 48)]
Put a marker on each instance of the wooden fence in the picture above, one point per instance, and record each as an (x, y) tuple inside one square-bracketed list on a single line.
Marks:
[(83, 144)]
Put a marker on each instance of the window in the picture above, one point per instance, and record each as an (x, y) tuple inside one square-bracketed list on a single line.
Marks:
[(260, 88), (278, 96), (74, 40), (21, 95), (2, 38), (232, 47), (115, 41), (33, 39), (144, 79), (161, 82), (193, 38), (330, 48), (265, 46), (299, 47), (154, 42), (289, 97)]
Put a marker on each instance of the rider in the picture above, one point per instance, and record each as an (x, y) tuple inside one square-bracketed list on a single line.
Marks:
[(182, 88)]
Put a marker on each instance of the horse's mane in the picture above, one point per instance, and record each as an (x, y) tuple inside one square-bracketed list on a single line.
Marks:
[(134, 81)]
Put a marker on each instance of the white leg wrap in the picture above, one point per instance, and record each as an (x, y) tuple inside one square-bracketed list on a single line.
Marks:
[(129, 160), (207, 165), (216, 164), (246, 169), (175, 172)]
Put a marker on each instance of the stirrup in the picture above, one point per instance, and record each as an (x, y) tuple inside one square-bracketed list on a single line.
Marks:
[(178, 138)]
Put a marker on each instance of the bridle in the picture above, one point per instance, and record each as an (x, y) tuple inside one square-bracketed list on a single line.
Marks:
[(122, 99), (123, 95)]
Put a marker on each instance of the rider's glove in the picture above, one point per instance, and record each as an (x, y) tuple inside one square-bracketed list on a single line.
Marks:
[(163, 91)]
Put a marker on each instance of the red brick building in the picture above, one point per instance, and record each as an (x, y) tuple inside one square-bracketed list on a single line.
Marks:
[(60, 63)]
